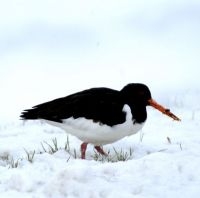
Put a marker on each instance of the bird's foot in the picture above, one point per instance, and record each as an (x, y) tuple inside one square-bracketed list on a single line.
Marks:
[(100, 150), (84, 147)]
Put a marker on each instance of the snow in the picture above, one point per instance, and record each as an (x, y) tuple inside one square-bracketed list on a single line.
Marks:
[(158, 167), (50, 49)]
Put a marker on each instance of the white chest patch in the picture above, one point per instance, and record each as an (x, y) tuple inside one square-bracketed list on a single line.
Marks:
[(96, 133)]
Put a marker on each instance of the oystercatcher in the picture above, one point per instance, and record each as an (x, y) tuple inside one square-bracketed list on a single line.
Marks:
[(99, 116)]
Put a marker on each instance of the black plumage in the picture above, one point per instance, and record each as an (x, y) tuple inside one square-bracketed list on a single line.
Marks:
[(102, 105), (108, 107)]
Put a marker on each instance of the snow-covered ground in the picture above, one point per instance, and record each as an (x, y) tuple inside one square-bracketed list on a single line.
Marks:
[(50, 49), (164, 163)]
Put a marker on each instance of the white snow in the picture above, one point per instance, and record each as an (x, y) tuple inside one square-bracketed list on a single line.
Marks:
[(158, 168), (49, 49)]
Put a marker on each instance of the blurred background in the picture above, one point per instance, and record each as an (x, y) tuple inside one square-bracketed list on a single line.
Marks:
[(50, 49)]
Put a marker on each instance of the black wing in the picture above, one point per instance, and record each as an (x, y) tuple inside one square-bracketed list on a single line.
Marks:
[(99, 104)]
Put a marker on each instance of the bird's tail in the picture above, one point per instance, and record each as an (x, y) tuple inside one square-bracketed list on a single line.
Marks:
[(29, 114)]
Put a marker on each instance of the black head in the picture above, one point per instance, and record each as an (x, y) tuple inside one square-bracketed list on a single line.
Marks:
[(136, 93), (139, 96)]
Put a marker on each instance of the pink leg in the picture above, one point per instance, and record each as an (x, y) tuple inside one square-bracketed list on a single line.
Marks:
[(100, 150), (83, 149)]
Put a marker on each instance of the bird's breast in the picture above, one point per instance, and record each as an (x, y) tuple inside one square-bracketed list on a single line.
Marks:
[(97, 133)]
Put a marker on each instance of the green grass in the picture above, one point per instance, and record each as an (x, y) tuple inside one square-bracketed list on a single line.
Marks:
[(9, 161), (114, 155), (52, 147), (30, 155)]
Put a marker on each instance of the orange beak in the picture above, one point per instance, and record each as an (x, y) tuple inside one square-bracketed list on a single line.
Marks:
[(165, 111)]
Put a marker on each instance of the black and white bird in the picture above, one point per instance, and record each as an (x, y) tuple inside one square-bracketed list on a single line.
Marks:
[(99, 116)]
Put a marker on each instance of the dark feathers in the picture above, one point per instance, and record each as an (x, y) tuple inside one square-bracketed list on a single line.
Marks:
[(102, 105)]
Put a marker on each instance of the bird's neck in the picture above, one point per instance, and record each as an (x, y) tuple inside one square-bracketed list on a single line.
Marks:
[(139, 113)]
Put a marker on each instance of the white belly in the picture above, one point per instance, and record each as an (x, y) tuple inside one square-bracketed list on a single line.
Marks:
[(96, 133)]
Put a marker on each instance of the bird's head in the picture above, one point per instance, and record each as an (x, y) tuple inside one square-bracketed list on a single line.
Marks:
[(139, 94)]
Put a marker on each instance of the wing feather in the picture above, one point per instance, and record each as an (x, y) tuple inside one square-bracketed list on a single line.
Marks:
[(99, 104)]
